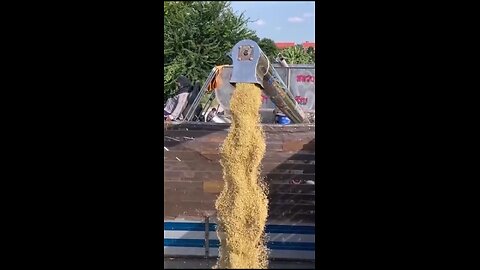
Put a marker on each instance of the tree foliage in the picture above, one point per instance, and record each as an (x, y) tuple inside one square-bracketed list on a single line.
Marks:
[(197, 36), (298, 55), (269, 48), (311, 52)]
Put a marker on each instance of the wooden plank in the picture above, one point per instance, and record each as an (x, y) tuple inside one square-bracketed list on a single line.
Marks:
[(213, 186)]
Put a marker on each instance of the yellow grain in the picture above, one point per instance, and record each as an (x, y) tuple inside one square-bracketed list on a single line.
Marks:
[(242, 206)]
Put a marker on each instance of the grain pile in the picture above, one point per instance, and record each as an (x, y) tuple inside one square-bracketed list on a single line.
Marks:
[(242, 206)]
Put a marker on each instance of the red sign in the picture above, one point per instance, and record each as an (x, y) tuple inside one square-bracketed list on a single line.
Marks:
[(264, 99), (305, 78), (299, 99)]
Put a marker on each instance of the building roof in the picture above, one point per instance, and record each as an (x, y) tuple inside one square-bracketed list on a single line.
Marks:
[(307, 44), (283, 45)]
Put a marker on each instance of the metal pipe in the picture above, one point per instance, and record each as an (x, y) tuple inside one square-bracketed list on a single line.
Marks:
[(282, 61), (189, 115), (251, 65)]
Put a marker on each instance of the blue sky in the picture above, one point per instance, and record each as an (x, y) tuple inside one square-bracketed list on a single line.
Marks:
[(285, 21)]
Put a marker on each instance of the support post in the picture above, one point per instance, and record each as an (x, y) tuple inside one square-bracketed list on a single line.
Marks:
[(207, 236)]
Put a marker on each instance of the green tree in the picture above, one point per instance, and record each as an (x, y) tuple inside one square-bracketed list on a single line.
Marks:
[(297, 55), (197, 36), (269, 48), (311, 52), (255, 38)]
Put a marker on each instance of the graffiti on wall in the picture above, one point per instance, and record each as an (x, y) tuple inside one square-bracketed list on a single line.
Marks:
[(302, 86), (264, 99), (306, 78), (299, 99)]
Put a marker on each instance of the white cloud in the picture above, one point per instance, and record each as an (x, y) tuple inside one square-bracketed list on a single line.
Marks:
[(295, 19), (278, 28), (308, 14), (260, 22)]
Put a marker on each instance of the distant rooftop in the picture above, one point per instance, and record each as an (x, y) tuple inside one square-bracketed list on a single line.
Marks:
[(284, 45)]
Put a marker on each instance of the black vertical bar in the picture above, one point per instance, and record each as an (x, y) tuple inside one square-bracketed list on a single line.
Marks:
[(207, 236)]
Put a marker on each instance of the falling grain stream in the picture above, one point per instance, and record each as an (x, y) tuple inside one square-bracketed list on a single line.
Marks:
[(242, 206)]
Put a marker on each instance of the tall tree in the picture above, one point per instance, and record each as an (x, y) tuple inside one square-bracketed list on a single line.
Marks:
[(197, 36), (269, 48)]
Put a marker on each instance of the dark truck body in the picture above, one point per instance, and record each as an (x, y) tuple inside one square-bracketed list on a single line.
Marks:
[(193, 174)]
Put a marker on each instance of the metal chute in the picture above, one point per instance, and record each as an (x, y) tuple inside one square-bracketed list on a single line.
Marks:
[(251, 65)]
